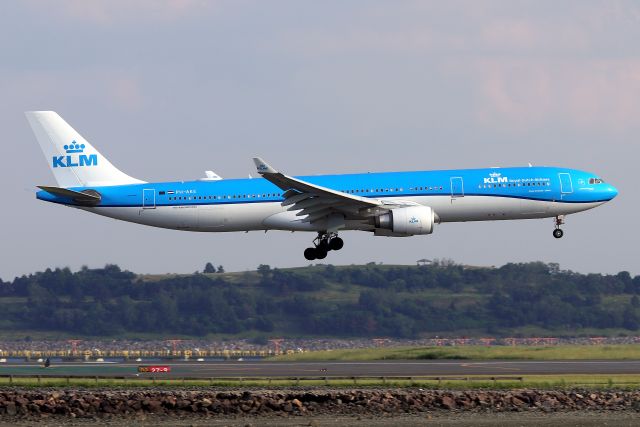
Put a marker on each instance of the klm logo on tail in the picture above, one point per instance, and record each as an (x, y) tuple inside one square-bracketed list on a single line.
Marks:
[(78, 160)]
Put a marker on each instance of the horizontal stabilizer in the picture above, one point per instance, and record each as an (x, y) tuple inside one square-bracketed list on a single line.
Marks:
[(80, 197), (210, 176)]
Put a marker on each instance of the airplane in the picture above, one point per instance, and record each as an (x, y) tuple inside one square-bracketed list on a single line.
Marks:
[(393, 204)]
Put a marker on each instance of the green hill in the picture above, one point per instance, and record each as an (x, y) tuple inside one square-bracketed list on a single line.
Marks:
[(348, 301)]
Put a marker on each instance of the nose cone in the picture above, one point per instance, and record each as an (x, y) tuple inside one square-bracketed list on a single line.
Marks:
[(610, 192)]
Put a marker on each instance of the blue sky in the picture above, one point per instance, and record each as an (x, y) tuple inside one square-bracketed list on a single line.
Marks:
[(169, 89)]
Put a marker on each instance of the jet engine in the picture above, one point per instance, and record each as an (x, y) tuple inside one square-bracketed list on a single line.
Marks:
[(407, 221)]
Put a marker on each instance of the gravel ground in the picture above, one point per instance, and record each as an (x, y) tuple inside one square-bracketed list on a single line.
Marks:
[(317, 407)]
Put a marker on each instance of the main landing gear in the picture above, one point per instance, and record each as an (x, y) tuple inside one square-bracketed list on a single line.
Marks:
[(558, 233), (324, 243)]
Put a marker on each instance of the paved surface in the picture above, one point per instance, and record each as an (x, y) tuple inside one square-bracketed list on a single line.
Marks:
[(329, 369), (434, 419)]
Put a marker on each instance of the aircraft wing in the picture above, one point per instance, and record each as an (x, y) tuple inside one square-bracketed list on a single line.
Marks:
[(317, 203)]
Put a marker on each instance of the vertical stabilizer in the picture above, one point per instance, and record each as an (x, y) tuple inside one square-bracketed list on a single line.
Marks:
[(72, 159)]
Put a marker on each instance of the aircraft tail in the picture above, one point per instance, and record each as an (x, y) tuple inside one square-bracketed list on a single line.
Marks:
[(73, 161)]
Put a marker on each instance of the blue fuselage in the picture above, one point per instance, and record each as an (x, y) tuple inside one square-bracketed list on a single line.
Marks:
[(549, 184)]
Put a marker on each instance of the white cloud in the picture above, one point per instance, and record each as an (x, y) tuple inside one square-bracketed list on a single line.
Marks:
[(117, 12), (597, 94), (47, 90)]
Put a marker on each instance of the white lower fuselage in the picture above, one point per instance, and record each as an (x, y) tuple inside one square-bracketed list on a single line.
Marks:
[(273, 216)]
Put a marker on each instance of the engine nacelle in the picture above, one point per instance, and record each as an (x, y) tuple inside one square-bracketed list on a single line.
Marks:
[(408, 221)]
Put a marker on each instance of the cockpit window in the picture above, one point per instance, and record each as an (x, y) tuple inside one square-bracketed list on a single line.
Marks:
[(596, 181)]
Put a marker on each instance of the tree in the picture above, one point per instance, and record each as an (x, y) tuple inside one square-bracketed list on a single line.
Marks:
[(220, 269), (626, 280), (630, 319), (636, 285), (209, 268), (264, 270)]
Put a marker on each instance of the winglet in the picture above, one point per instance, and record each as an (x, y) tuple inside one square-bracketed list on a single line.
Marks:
[(263, 167)]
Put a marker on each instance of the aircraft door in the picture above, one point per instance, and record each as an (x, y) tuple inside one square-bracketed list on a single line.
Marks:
[(148, 198), (457, 187), (566, 186)]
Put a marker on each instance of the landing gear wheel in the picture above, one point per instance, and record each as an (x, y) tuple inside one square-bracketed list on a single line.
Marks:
[(336, 244), (558, 233), (310, 254), (324, 243), (320, 253)]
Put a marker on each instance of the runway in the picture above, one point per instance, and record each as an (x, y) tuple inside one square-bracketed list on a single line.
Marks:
[(246, 369)]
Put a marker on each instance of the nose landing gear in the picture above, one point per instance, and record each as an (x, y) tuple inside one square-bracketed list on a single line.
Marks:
[(558, 233), (324, 243)]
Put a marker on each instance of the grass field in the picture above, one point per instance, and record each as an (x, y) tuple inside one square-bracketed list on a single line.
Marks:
[(595, 382), (560, 352)]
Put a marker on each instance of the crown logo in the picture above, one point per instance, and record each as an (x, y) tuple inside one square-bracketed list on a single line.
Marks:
[(74, 147), (495, 174)]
